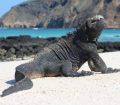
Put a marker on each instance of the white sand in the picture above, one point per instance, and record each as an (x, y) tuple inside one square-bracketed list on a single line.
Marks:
[(98, 89)]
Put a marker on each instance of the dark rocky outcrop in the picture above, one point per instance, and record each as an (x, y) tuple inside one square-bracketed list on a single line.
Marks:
[(60, 13), (22, 46), (13, 48), (109, 46)]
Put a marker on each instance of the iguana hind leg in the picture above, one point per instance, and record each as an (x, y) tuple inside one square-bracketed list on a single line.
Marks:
[(24, 84), (19, 76), (23, 74)]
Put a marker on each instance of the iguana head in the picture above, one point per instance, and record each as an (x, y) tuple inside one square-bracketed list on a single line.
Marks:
[(94, 27), (89, 30)]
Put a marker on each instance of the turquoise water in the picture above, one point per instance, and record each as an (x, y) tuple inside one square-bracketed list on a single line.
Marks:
[(112, 35), (34, 32)]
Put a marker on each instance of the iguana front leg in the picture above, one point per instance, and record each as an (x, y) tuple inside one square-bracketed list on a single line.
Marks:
[(98, 65), (95, 62)]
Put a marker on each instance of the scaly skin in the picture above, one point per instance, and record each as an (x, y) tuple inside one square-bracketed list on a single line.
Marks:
[(64, 57)]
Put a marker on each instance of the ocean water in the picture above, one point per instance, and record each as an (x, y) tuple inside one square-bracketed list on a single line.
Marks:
[(108, 35)]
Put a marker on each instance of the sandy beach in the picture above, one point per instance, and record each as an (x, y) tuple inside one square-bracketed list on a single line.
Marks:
[(98, 89)]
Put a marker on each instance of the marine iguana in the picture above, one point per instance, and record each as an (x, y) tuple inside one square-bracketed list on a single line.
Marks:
[(65, 57)]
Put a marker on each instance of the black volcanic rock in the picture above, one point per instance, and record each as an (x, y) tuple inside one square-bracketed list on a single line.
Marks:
[(15, 47), (109, 46), (60, 13)]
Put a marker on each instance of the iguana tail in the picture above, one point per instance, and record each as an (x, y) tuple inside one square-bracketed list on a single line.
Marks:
[(24, 84)]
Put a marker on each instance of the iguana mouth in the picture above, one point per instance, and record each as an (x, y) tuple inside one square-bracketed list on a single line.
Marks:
[(97, 17), (95, 25)]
